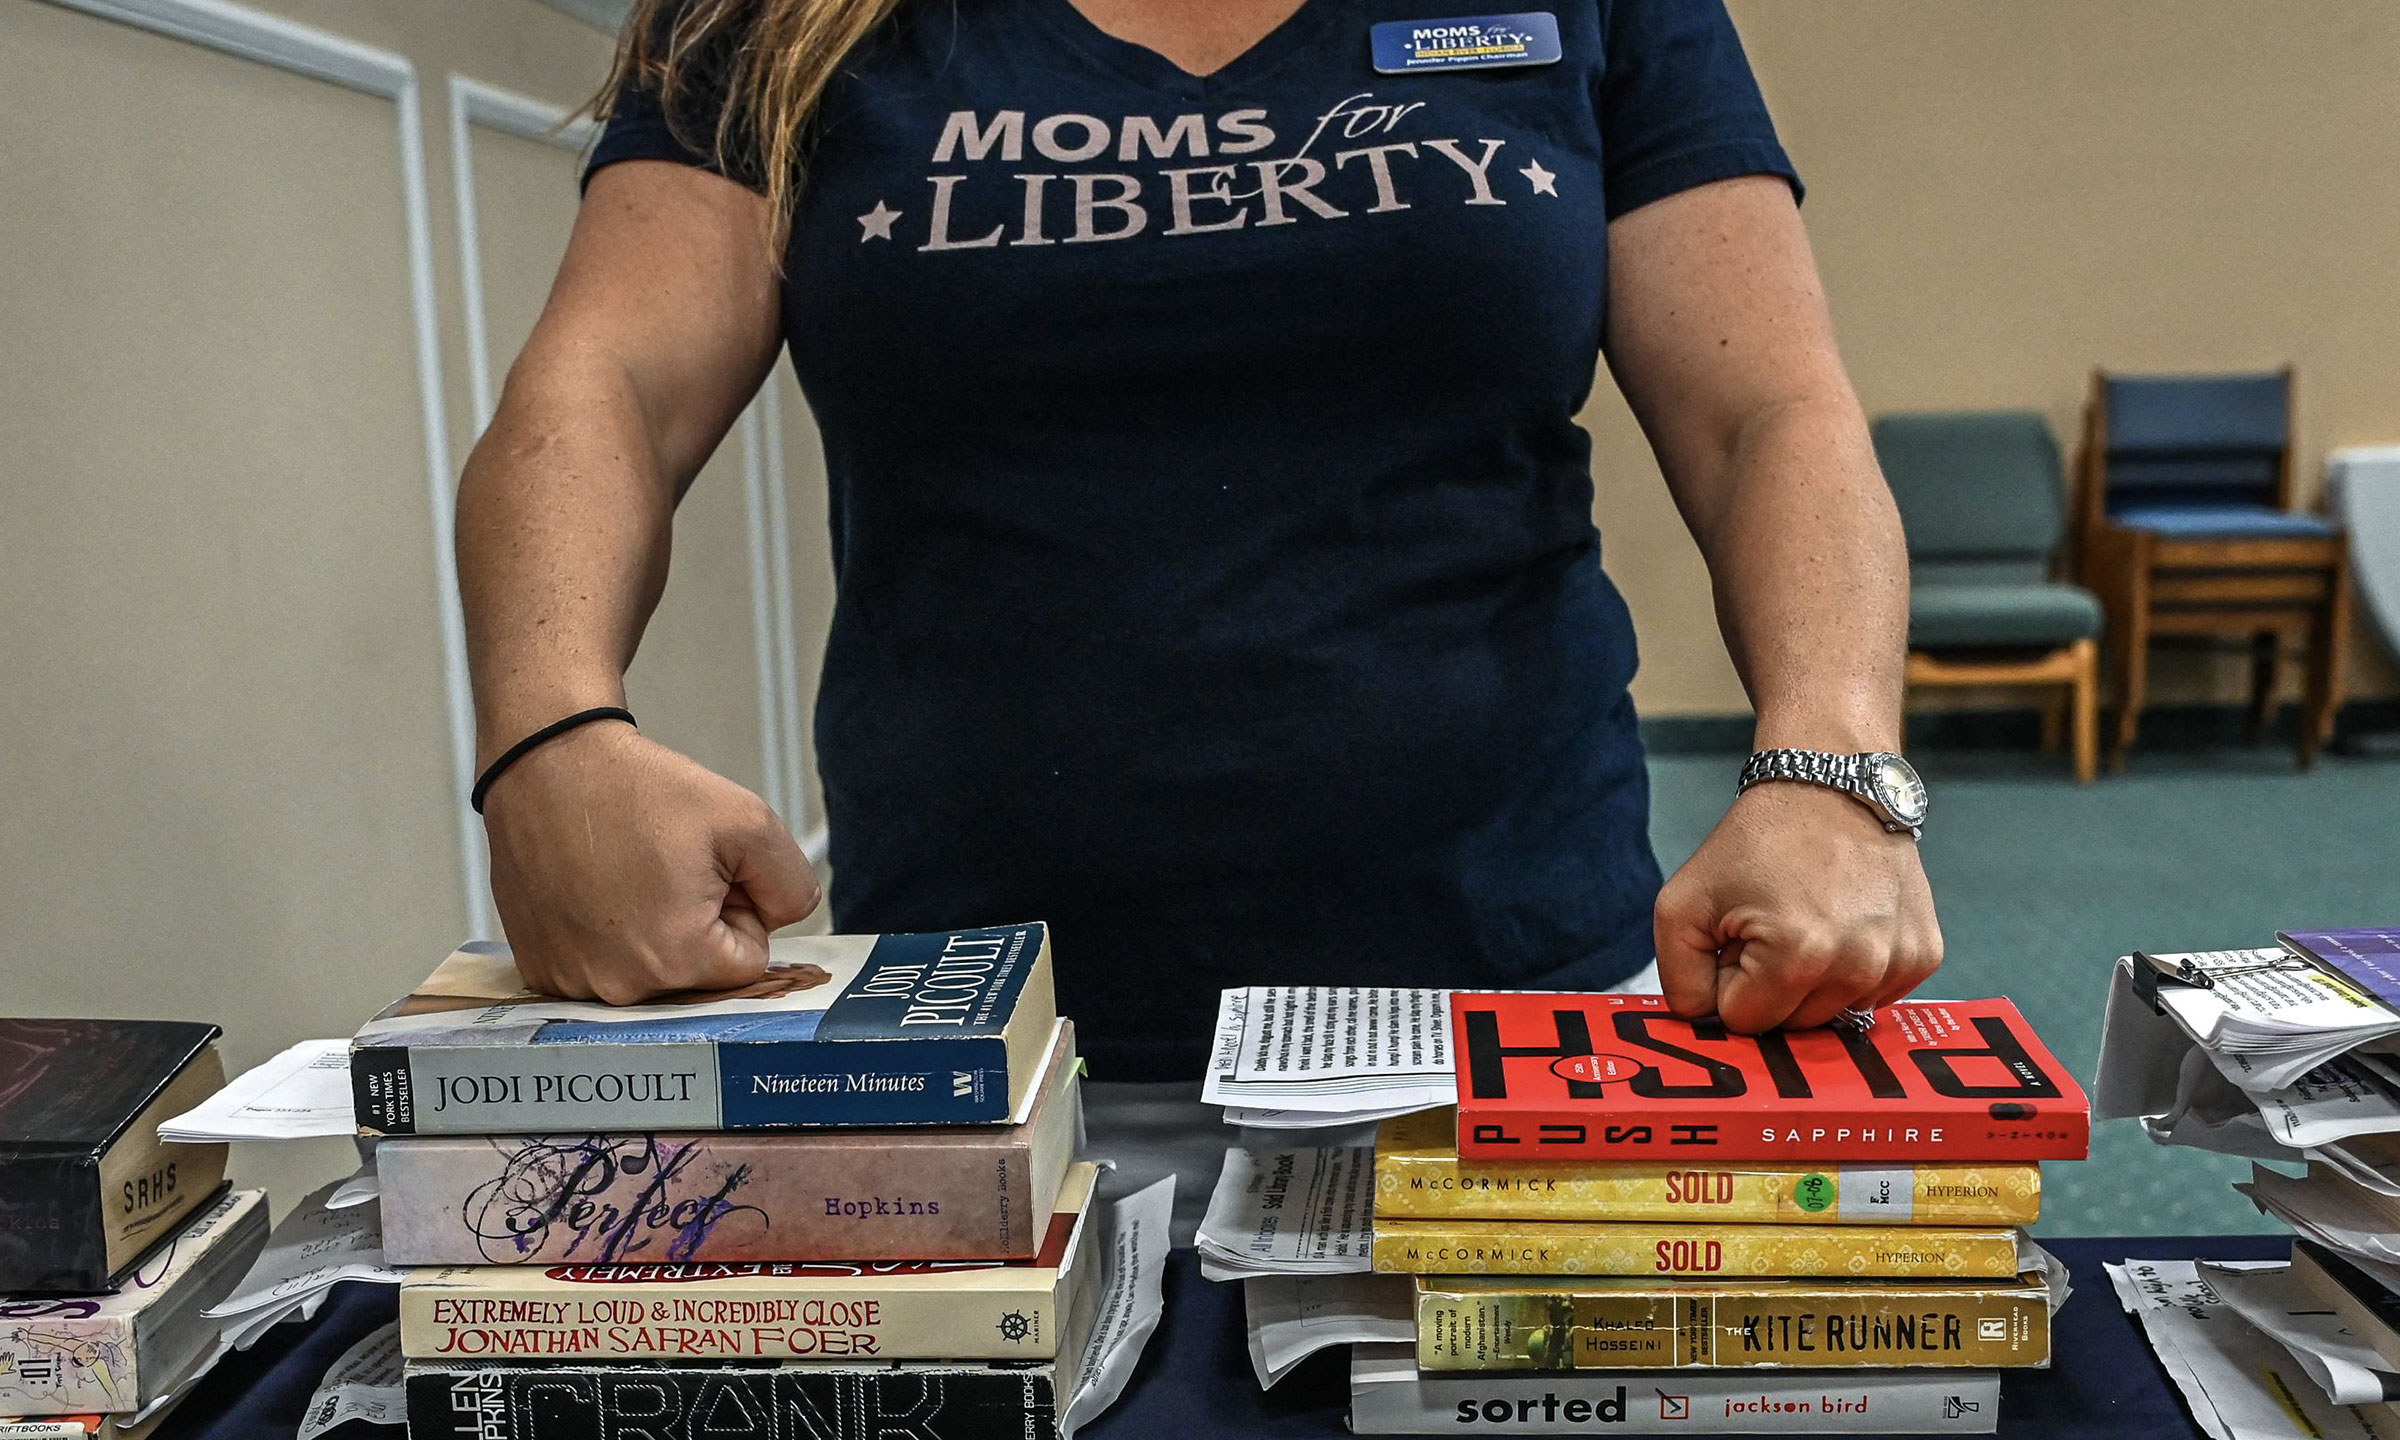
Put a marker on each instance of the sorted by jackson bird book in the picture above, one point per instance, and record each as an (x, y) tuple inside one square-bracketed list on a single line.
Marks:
[(1537, 1247), (122, 1351), (913, 1193), (1471, 1322), (942, 1029), (86, 1185), (1420, 1176), (861, 1310), (1547, 1077), (1389, 1395)]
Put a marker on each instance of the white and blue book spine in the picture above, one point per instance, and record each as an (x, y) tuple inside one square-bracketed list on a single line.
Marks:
[(842, 1030)]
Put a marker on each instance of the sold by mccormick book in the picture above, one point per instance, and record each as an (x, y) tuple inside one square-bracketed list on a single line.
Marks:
[(1571, 1322), (86, 1185), (1538, 1247), (864, 1310), (1389, 1395), (942, 1029), (123, 1351), (1419, 1176), (1619, 1077), (917, 1192)]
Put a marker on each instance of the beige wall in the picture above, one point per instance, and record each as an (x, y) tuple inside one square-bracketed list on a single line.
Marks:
[(228, 788), (2003, 196)]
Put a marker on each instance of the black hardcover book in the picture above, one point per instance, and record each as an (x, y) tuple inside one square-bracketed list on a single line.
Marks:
[(86, 1186), (797, 1401)]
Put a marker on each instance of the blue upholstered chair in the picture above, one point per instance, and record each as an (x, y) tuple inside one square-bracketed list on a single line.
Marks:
[(2186, 527), (1982, 497)]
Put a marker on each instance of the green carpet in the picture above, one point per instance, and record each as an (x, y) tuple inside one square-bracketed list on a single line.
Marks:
[(2041, 883)]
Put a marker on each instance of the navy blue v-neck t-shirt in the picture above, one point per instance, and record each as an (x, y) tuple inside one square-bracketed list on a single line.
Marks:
[(1216, 576)]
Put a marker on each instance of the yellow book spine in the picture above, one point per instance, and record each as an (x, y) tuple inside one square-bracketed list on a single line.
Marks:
[(1866, 1326), (1865, 1252), (1418, 1176)]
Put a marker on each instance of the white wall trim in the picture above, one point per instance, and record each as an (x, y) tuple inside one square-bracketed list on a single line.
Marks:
[(787, 636), (474, 103), (762, 610), (321, 55)]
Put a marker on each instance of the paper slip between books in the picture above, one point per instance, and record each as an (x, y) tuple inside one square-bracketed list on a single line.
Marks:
[(1292, 1317), (314, 1249), (2344, 1366), (2239, 1383), (1304, 1056), (364, 1384), (1132, 1298), (1291, 1212), (301, 1094)]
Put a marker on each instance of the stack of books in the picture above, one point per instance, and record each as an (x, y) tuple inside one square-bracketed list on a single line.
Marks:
[(1648, 1224), (836, 1200), (112, 1243)]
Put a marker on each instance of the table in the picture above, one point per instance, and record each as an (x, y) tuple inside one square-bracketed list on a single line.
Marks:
[(1195, 1379)]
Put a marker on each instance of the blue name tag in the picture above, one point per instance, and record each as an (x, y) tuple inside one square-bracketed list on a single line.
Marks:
[(1473, 42)]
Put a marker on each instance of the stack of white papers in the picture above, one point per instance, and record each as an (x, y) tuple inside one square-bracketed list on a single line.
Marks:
[(1308, 1211), (1294, 1316), (315, 1248), (2240, 1382), (2279, 1014), (1313, 1057), (301, 1094)]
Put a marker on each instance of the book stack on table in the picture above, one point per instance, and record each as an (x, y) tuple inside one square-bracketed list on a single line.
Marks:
[(840, 1199), (112, 1243), (1646, 1224)]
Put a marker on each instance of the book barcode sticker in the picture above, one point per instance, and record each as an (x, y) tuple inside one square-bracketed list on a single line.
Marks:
[(1888, 1196)]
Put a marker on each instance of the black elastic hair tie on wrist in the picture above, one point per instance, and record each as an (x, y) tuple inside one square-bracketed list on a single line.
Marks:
[(538, 738)]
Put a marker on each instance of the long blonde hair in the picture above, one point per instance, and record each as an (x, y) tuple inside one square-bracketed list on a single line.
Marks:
[(761, 66)]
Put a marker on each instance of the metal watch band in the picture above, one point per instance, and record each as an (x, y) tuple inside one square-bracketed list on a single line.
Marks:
[(1816, 767)]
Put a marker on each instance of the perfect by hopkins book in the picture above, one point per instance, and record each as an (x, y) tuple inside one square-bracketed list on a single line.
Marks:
[(939, 1029)]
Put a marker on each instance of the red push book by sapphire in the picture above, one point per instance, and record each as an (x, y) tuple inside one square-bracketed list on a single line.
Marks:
[(1620, 1077)]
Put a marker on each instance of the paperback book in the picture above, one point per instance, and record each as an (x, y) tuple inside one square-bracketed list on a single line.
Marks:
[(860, 1310), (1389, 1395), (914, 1193), (466, 1400), (86, 1186), (1546, 1077), (122, 1351), (1534, 1247), (1419, 1175), (1597, 1323), (944, 1029)]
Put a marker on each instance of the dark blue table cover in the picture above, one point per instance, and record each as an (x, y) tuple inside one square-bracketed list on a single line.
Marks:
[(1195, 1378)]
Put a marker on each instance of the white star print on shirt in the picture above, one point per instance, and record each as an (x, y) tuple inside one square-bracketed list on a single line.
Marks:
[(1544, 183), (876, 224)]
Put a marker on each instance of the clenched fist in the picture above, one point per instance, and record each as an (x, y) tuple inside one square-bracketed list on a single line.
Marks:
[(1799, 904), (624, 870)]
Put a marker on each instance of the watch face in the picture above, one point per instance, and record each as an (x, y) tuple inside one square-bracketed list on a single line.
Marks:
[(1897, 786)]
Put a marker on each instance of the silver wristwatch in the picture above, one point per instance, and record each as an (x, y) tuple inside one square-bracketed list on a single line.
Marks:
[(1878, 779)]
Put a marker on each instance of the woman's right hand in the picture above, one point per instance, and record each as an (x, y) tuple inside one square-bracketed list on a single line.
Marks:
[(624, 870)]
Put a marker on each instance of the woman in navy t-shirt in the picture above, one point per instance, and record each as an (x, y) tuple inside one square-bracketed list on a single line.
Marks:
[(1217, 578)]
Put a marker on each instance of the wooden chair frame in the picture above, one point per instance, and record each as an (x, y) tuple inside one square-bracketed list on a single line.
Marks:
[(2073, 673), (2270, 590)]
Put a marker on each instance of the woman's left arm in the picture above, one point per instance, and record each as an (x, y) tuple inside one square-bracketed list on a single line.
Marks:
[(1799, 903)]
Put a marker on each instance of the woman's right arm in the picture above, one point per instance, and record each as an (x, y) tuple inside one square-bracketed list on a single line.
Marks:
[(622, 869)]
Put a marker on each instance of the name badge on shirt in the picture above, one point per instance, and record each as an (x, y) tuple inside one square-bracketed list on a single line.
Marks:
[(1473, 42)]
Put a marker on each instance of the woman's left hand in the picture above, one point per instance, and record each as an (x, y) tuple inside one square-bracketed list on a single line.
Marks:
[(1799, 904)]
